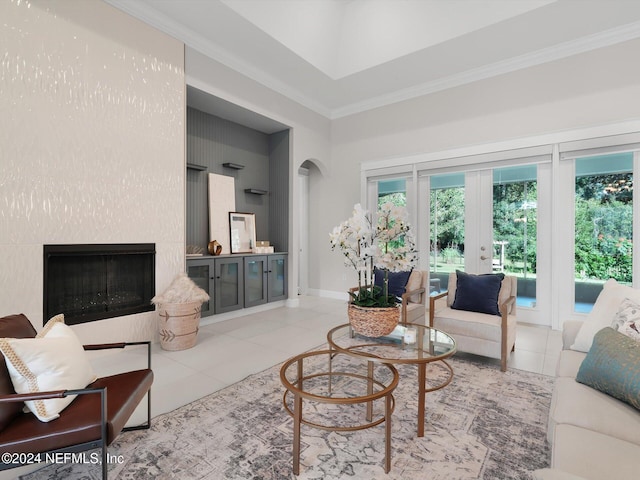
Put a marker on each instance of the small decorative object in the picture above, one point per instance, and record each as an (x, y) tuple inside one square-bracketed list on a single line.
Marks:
[(410, 336), (242, 231), (194, 251), (214, 248), (385, 242), (179, 312), (261, 248)]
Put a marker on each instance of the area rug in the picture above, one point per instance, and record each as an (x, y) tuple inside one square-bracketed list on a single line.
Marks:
[(485, 424)]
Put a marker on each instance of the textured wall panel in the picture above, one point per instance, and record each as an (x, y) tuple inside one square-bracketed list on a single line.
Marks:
[(92, 138)]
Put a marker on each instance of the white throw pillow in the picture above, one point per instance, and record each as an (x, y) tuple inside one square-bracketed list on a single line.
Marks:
[(55, 361), (627, 320), (49, 325), (603, 312)]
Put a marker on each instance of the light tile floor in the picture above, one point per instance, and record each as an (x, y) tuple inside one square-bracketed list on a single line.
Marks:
[(229, 351)]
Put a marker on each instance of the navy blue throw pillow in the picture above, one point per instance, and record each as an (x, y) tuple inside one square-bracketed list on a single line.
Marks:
[(397, 281), (478, 293)]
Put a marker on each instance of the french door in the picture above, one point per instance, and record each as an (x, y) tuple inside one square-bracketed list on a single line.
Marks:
[(559, 216), (487, 221)]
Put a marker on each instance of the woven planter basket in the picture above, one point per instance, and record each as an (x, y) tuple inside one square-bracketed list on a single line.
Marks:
[(178, 327), (373, 322)]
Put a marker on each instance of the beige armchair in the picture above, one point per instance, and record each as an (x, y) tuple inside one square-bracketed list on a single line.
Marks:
[(478, 333), (414, 300)]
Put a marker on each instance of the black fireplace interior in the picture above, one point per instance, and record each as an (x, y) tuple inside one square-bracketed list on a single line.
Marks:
[(92, 282)]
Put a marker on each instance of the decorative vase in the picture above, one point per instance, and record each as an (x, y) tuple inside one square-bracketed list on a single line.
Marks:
[(179, 324), (373, 321), (214, 248)]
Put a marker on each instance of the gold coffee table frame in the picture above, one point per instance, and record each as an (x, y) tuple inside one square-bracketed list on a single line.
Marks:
[(295, 386), (431, 345)]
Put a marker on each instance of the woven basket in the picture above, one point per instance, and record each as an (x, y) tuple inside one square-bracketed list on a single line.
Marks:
[(373, 322), (178, 327)]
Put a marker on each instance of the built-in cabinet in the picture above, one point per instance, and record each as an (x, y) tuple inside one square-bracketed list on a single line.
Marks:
[(264, 279), (239, 281), (259, 162)]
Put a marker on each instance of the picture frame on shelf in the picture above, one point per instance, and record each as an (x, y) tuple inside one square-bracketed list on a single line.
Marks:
[(242, 232)]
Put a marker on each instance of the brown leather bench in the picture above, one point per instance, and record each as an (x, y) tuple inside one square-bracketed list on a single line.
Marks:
[(93, 420)]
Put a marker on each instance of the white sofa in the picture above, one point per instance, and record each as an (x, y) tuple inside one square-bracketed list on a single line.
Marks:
[(593, 435)]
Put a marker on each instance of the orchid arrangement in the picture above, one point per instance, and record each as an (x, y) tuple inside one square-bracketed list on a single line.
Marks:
[(383, 241)]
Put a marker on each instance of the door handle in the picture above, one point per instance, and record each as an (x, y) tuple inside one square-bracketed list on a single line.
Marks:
[(482, 257)]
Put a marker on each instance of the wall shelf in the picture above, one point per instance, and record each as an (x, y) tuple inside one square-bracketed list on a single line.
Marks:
[(193, 166), (256, 191), (235, 166)]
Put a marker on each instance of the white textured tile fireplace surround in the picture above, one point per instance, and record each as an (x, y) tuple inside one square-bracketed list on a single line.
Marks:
[(92, 133)]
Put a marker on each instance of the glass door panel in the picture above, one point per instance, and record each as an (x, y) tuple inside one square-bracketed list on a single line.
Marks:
[(255, 280), (201, 272), (446, 228), (603, 224), (515, 226), (277, 277), (229, 284)]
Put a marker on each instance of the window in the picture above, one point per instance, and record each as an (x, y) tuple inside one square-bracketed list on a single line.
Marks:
[(558, 215), (603, 224), (393, 190)]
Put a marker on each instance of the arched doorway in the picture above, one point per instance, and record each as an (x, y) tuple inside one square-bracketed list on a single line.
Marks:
[(308, 169)]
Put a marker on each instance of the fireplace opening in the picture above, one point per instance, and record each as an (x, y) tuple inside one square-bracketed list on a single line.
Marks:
[(95, 281)]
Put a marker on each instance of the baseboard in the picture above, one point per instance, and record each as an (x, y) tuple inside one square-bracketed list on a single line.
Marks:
[(313, 292), (210, 319)]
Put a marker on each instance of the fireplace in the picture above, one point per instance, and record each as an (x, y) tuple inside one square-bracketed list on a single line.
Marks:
[(96, 281)]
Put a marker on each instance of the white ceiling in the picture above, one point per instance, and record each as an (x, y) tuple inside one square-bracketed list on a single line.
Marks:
[(339, 57)]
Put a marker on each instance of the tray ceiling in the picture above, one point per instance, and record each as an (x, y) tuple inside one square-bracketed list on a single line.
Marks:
[(340, 57)]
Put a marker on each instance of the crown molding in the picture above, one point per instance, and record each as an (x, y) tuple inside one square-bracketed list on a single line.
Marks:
[(197, 42), (209, 49), (613, 36)]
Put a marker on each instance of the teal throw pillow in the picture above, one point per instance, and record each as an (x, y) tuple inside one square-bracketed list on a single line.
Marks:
[(613, 366), (477, 293)]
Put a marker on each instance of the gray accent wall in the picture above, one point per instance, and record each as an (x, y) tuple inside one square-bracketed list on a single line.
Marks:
[(279, 193), (213, 141)]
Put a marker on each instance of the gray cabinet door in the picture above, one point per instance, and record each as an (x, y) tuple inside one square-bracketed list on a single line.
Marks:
[(201, 272), (255, 280), (277, 277), (229, 284)]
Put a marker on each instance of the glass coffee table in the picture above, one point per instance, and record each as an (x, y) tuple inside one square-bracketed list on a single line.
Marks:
[(325, 398), (428, 345)]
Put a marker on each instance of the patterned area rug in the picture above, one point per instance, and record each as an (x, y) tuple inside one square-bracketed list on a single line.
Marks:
[(484, 425)]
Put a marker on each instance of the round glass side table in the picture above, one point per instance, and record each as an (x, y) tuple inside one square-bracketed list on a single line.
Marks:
[(430, 345), (335, 392)]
